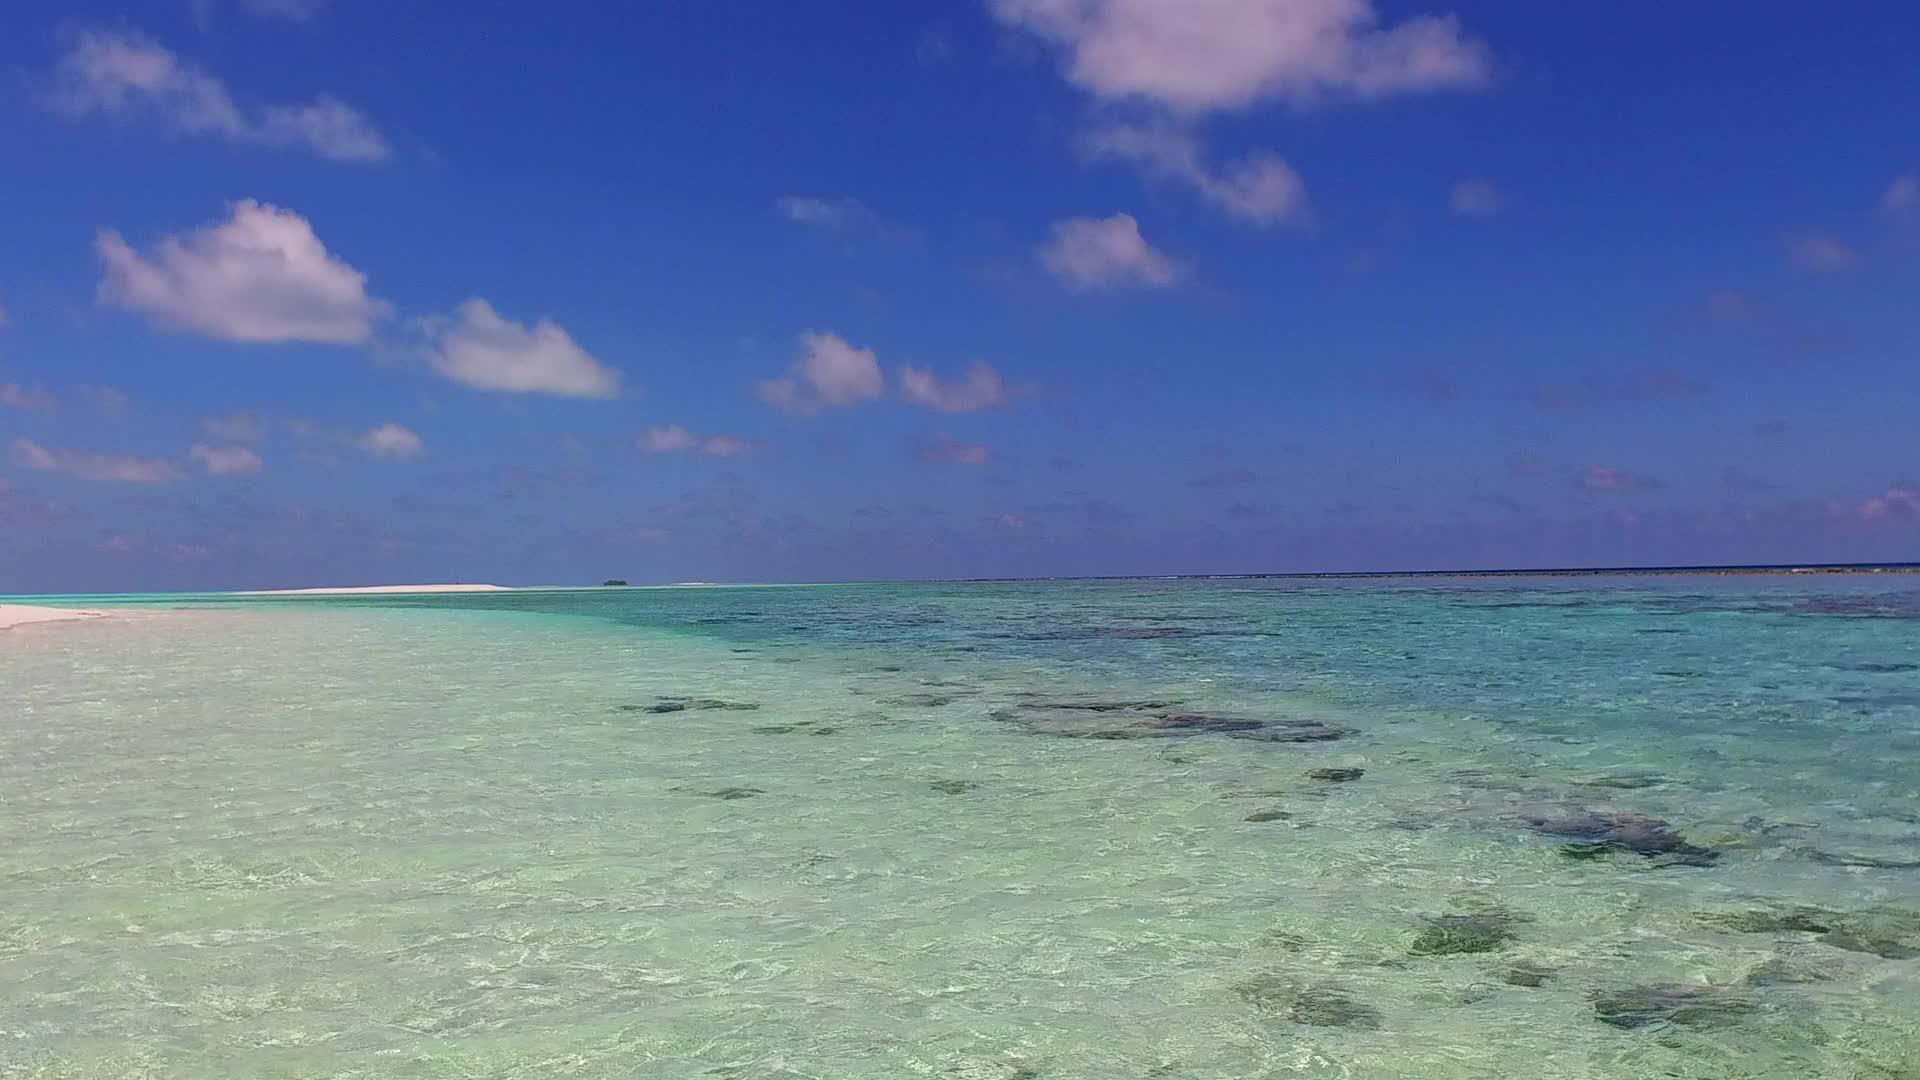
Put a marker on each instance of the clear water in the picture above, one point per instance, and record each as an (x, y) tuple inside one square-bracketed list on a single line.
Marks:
[(388, 837)]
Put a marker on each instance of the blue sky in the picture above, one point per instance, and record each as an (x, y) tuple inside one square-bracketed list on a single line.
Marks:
[(324, 291)]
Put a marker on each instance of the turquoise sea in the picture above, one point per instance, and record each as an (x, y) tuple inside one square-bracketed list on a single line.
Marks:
[(1164, 830)]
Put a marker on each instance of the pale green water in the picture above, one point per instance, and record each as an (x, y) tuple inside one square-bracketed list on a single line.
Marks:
[(380, 838)]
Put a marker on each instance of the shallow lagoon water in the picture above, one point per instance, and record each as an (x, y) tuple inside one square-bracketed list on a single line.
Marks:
[(518, 835)]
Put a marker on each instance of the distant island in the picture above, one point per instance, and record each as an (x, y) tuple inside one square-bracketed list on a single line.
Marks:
[(612, 581)]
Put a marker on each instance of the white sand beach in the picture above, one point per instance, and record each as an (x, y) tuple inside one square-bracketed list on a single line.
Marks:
[(354, 590), (12, 615)]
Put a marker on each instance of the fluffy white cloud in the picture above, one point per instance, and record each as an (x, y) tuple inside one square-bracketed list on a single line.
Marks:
[(674, 439), (1476, 198), (1204, 55), (125, 75), (1901, 200), (261, 276), (1103, 253), (1819, 252), (1260, 188), (130, 470), (981, 389), (226, 460), (478, 347), (829, 373), (392, 441)]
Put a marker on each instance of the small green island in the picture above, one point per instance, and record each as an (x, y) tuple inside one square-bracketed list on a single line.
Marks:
[(612, 581)]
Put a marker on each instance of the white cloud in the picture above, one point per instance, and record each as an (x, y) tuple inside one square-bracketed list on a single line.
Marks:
[(1903, 196), (239, 427), (226, 460), (125, 75), (1224, 54), (131, 470), (1260, 188), (1476, 198), (1098, 253), (29, 398), (981, 389), (262, 276), (1819, 252), (392, 441), (829, 373), (481, 349), (670, 439)]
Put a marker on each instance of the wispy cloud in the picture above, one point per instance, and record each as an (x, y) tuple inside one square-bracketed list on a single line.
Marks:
[(1902, 197), (1225, 478), (944, 451), (1900, 500), (297, 10), (226, 460), (1476, 198), (1231, 54), (1820, 252), (261, 276), (28, 398), (830, 373), (1261, 188), (126, 76), (982, 388), (1614, 481), (390, 440), (1732, 307), (28, 454), (1772, 429), (1653, 385), (674, 439), (479, 348), (237, 427), (1107, 253)]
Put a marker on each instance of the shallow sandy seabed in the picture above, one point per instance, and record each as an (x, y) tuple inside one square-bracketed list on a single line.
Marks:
[(12, 615)]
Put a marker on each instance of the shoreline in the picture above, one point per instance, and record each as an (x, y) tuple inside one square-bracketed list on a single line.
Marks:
[(12, 615), (373, 590)]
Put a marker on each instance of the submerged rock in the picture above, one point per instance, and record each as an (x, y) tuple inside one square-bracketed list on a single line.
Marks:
[(1810, 920), (691, 704), (1125, 724), (1451, 935), (1316, 1006), (1268, 815), (732, 793), (1336, 776), (1527, 975), (1670, 1003), (921, 701), (1103, 706), (1637, 833), (1887, 931), (953, 787)]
